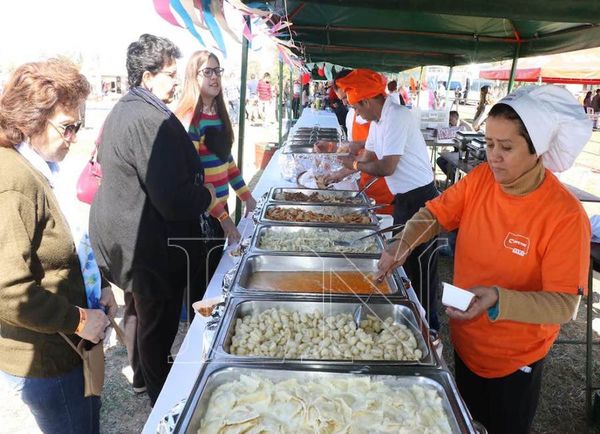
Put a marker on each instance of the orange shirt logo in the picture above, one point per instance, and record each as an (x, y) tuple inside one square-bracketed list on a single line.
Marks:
[(518, 244)]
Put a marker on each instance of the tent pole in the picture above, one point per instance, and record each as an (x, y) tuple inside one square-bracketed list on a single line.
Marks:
[(280, 102), (513, 69), (242, 117), (448, 84), (291, 98), (420, 85)]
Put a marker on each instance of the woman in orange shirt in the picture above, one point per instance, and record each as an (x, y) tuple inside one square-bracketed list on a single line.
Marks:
[(522, 249)]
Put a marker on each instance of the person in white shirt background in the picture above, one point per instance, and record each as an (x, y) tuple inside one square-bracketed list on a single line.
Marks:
[(395, 149)]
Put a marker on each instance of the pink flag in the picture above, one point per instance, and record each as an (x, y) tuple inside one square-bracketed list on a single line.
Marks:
[(163, 9), (247, 32)]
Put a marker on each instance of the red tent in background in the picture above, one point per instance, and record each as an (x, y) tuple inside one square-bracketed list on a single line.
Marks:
[(577, 67)]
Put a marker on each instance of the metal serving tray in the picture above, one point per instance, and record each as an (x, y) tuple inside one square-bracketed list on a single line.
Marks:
[(276, 193), (214, 375), (477, 148), (253, 263), (331, 209), (402, 311), (301, 148), (316, 129), (292, 231), (316, 133)]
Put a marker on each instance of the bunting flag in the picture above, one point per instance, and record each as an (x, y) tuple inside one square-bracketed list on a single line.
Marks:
[(218, 12), (163, 9), (213, 25), (206, 21), (249, 9), (329, 71), (247, 33)]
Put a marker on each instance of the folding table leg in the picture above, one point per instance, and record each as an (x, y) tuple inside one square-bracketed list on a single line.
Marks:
[(589, 362)]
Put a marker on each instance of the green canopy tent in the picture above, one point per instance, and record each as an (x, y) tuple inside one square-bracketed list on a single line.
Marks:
[(395, 35)]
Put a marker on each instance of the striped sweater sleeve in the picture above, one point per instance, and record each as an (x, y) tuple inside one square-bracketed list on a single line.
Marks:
[(236, 181)]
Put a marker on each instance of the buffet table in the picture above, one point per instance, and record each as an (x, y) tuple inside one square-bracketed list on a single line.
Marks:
[(188, 363)]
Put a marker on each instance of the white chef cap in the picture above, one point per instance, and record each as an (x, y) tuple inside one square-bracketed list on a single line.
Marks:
[(555, 121)]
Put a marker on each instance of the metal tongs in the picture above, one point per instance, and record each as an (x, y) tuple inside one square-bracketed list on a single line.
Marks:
[(367, 185), (380, 231), (358, 312)]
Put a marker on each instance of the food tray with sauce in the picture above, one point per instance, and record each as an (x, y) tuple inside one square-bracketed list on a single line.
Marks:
[(317, 215), (300, 275), (246, 396), (311, 240), (307, 196), (286, 329)]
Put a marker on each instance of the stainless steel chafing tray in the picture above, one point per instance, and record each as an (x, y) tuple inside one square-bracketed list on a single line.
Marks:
[(306, 147), (343, 197), (333, 210), (214, 375), (253, 263), (476, 148), (316, 231), (303, 148), (321, 134), (304, 130), (401, 311)]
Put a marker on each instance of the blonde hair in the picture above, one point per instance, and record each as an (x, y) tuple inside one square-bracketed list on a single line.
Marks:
[(191, 97)]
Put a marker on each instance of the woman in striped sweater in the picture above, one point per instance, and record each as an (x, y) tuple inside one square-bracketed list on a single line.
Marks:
[(203, 108)]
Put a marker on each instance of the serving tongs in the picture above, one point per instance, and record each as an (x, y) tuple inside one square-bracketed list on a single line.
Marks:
[(358, 314), (367, 185), (344, 243)]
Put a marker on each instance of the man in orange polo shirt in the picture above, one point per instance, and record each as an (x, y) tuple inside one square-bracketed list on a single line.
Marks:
[(523, 249)]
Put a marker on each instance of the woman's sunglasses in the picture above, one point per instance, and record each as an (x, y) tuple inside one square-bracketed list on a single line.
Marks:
[(67, 131), (207, 72)]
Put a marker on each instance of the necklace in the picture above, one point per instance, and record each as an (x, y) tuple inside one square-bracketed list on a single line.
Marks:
[(209, 109)]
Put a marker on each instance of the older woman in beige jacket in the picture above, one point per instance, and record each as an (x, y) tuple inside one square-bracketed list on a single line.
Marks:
[(42, 291)]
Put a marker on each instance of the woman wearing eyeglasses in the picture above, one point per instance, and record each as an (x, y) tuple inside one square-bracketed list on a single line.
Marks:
[(42, 288), (203, 108), (144, 218)]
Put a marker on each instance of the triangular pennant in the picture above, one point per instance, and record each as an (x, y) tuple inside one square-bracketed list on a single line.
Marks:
[(164, 10), (219, 14), (187, 20), (213, 26), (247, 32)]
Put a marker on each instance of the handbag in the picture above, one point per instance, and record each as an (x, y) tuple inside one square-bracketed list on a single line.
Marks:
[(93, 361), (90, 177)]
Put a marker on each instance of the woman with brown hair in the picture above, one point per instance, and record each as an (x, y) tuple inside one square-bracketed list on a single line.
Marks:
[(42, 289), (203, 108)]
